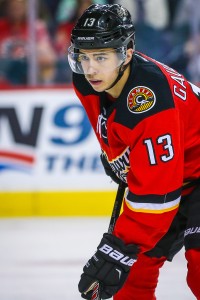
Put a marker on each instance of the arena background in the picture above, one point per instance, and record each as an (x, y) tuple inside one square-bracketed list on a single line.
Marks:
[(49, 157), (55, 200)]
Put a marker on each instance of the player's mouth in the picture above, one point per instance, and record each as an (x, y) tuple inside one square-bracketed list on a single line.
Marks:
[(95, 82)]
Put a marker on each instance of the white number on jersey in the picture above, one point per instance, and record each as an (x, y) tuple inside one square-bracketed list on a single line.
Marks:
[(166, 143), (195, 89)]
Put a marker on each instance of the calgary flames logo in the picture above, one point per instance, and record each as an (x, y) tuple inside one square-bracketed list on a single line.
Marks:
[(140, 99)]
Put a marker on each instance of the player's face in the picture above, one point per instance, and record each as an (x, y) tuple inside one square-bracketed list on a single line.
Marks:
[(100, 67)]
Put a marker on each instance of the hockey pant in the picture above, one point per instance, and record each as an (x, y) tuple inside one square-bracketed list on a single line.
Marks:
[(143, 278)]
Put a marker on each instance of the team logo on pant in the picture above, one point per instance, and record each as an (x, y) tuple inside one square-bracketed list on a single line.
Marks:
[(140, 99)]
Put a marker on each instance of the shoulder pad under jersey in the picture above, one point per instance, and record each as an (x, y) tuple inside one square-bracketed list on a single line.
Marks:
[(147, 92)]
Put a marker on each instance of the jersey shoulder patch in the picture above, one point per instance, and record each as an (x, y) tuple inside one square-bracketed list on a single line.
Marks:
[(146, 93)]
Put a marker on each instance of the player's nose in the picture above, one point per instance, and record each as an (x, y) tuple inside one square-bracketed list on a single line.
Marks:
[(92, 70)]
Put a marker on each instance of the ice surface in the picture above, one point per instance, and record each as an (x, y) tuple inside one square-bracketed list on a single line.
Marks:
[(42, 259)]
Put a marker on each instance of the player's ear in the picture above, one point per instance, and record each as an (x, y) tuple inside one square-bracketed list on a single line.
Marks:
[(128, 56)]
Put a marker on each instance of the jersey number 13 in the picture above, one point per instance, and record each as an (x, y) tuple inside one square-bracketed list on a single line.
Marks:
[(168, 152)]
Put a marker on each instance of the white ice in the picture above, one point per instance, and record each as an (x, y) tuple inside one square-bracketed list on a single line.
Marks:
[(42, 259)]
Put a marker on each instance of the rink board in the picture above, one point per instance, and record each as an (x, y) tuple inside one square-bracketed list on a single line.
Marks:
[(49, 156), (81, 203)]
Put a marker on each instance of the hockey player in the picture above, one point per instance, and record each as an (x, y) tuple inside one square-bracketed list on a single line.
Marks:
[(146, 118)]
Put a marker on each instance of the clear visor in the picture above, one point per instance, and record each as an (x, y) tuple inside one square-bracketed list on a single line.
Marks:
[(103, 60)]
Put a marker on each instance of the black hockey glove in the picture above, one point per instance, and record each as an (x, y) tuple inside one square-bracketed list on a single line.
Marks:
[(110, 266), (108, 169)]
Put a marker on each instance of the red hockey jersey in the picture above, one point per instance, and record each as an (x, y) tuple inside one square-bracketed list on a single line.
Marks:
[(151, 138)]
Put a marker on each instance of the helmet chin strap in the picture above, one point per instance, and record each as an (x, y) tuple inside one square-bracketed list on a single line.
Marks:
[(122, 69)]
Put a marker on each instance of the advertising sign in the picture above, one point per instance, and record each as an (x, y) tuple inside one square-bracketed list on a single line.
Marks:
[(47, 143)]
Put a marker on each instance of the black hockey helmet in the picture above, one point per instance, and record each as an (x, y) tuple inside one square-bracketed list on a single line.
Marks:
[(103, 26)]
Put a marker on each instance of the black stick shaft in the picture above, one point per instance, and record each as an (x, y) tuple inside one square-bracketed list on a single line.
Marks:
[(117, 206), (115, 214)]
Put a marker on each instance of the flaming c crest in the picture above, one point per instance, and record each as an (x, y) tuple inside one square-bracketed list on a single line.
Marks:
[(140, 99)]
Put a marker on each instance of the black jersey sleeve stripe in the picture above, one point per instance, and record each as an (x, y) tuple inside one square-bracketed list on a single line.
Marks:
[(156, 199)]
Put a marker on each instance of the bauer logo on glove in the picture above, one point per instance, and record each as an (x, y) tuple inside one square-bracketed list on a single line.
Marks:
[(126, 260), (109, 266)]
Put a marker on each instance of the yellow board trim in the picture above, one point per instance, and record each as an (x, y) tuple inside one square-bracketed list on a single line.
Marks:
[(81, 203)]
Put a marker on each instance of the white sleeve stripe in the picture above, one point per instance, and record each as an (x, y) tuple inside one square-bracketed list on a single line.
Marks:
[(153, 206)]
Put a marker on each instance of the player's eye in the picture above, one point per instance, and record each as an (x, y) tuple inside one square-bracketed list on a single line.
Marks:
[(82, 57), (101, 58)]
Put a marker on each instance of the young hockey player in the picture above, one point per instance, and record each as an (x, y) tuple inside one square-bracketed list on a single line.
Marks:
[(146, 118)]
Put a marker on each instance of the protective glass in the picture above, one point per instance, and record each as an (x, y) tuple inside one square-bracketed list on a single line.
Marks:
[(102, 60)]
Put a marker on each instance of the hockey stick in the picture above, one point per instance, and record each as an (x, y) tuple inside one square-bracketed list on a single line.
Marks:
[(96, 294)]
